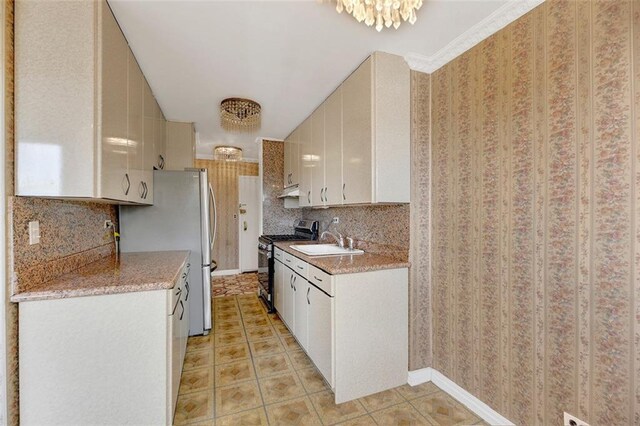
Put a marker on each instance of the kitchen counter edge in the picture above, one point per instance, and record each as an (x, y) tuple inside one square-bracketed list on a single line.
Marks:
[(127, 273)]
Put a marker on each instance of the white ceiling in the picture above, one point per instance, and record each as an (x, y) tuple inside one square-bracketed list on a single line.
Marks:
[(287, 55)]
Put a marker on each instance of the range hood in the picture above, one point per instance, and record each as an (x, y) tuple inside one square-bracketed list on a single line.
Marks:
[(290, 192)]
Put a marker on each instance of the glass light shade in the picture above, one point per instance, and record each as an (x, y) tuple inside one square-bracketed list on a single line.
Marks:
[(227, 153), (382, 13)]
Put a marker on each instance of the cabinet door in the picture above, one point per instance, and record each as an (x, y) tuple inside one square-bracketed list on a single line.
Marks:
[(135, 131), (320, 342), (289, 299), (301, 291), (357, 135), (150, 141), (305, 162), (295, 160), (116, 183), (333, 148), (317, 157), (160, 135), (180, 145), (278, 287)]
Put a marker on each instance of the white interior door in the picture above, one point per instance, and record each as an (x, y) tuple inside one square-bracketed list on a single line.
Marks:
[(249, 226)]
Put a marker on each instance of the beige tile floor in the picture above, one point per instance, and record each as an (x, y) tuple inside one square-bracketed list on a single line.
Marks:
[(251, 371)]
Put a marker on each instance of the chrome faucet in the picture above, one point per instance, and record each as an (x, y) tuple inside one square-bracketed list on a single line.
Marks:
[(339, 239)]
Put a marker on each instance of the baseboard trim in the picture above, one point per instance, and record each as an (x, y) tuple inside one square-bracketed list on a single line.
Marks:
[(225, 272), (481, 409)]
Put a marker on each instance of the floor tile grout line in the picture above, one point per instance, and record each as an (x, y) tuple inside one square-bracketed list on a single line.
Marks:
[(252, 361)]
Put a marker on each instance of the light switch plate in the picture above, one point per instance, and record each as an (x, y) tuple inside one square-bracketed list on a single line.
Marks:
[(34, 232)]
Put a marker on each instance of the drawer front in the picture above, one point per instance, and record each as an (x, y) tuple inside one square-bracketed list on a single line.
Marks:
[(289, 259), (321, 279), (300, 267), (278, 254)]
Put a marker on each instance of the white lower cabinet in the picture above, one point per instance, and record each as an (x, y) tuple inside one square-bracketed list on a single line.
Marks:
[(106, 359), (301, 291), (354, 327), (278, 286), (320, 342)]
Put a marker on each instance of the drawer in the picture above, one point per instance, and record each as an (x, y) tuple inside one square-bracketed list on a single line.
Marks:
[(288, 259), (278, 254), (321, 279), (300, 267)]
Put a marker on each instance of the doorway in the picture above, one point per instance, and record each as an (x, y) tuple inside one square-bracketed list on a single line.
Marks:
[(249, 225)]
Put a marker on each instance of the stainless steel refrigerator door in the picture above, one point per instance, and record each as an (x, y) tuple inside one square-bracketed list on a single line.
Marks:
[(172, 223), (206, 278)]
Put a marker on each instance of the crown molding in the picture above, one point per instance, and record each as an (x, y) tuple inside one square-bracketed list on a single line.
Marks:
[(490, 25)]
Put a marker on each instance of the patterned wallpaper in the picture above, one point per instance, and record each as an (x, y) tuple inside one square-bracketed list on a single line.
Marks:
[(275, 218), (223, 176), (535, 232)]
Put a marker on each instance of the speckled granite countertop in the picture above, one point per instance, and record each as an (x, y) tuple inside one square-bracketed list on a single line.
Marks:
[(144, 271), (346, 264)]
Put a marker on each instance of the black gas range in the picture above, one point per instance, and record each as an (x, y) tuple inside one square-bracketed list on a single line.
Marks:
[(304, 230)]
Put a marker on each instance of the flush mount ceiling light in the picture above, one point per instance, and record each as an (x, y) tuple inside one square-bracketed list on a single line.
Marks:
[(240, 115), (227, 153), (383, 13)]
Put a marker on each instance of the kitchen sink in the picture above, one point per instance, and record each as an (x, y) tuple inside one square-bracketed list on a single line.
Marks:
[(324, 250)]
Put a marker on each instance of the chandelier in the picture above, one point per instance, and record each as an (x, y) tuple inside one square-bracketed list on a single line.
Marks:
[(381, 12), (240, 115), (227, 153)]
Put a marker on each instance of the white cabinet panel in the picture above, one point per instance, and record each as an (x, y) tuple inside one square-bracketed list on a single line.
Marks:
[(278, 287), (333, 148), (305, 162), (317, 159), (180, 145), (301, 289), (135, 131), (288, 309), (116, 182), (357, 135), (320, 323), (150, 141)]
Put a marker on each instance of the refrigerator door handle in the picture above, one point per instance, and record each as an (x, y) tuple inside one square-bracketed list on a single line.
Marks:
[(215, 217)]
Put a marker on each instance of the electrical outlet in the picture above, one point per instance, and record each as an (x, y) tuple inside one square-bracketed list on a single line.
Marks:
[(335, 220), (34, 232), (108, 224), (570, 420)]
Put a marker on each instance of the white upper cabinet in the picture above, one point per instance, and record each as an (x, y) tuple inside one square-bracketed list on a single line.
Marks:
[(305, 161), (291, 158), (360, 139), (317, 160), (80, 98), (333, 149), (180, 145)]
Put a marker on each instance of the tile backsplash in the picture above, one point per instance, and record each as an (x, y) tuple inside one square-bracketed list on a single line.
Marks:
[(72, 234)]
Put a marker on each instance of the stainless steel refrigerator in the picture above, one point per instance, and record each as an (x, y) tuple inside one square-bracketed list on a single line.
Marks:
[(182, 217)]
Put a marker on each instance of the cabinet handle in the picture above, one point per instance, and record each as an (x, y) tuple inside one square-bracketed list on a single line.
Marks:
[(161, 162), (287, 260), (344, 197), (295, 277), (299, 267), (291, 281), (309, 197), (181, 313), (126, 178), (146, 190), (186, 285), (141, 189), (317, 278), (308, 290)]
